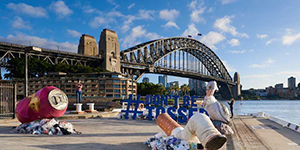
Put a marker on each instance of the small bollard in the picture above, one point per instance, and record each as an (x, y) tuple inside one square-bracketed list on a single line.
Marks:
[(78, 109), (91, 108)]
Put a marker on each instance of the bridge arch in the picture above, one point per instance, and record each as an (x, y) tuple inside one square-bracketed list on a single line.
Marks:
[(143, 58)]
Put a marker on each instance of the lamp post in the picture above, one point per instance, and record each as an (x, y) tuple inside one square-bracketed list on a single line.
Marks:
[(27, 49)]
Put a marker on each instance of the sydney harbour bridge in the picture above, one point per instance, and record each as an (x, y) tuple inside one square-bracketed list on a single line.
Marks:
[(176, 56)]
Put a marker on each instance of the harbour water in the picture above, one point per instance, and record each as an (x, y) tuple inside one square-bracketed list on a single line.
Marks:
[(288, 110)]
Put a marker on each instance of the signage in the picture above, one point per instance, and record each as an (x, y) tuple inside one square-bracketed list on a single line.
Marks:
[(157, 102)]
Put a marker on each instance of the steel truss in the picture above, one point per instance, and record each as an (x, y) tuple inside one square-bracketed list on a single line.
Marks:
[(9, 50), (178, 56)]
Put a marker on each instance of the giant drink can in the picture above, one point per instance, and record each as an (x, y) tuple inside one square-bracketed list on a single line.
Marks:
[(48, 102)]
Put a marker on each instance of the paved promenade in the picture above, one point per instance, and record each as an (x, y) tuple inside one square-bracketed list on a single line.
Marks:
[(113, 134)]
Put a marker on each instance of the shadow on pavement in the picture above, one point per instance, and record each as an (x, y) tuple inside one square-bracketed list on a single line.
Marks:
[(286, 132), (101, 146)]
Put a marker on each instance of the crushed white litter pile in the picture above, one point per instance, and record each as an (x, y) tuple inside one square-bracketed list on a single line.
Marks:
[(141, 116), (46, 126), (161, 141)]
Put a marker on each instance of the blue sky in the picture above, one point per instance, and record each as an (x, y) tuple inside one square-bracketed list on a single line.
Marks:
[(258, 39)]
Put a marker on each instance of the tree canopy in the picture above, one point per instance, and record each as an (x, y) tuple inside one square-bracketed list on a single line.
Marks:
[(150, 88), (38, 68)]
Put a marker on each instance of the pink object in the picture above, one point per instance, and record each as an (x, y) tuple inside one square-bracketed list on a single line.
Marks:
[(48, 102), (79, 87)]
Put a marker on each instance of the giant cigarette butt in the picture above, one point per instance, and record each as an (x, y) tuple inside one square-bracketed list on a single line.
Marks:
[(166, 123)]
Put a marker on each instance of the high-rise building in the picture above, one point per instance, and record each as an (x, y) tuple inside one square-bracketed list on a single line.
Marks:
[(146, 80), (162, 80), (291, 82), (197, 86), (87, 45)]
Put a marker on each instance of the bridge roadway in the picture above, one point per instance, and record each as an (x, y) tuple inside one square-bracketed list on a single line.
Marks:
[(175, 72), (10, 50)]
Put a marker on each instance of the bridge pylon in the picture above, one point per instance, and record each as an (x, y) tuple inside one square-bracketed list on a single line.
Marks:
[(236, 89), (109, 49)]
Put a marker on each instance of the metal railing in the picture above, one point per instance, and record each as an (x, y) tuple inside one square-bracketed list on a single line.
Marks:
[(8, 97)]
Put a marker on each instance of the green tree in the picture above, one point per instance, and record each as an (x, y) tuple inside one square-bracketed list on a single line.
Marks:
[(38, 68), (184, 89), (16, 68), (176, 89), (151, 88)]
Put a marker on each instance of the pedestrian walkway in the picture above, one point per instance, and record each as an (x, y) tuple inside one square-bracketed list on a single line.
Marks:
[(261, 134), (113, 134)]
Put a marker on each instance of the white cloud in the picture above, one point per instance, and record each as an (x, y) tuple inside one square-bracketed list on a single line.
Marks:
[(238, 52), (169, 15), (212, 38), (264, 64), (142, 15), (88, 9), (271, 41), (74, 33), (197, 9), (138, 32), (228, 67), (112, 2), (227, 1), (115, 14), (261, 36), (19, 23), (146, 14), (194, 4), (61, 9), (291, 73), (289, 39), (130, 6), (196, 16), (98, 21), (125, 28), (191, 30), (28, 10), (24, 39), (234, 42), (171, 24), (224, 25), (256, 76)]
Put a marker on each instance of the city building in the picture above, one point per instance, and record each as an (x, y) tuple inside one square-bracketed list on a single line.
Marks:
[(291, 82), (174, 83), (270, 90), (104, 86), (168, 85), (162, 80), (261, 92), (299, 85), (286, 93), (146, 80), (197, 87), (279, 86)]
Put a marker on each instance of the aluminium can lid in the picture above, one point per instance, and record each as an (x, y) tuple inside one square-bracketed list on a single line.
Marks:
[(58, 99)]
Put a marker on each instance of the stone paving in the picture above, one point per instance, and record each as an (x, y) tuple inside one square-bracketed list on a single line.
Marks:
[(114, 134)]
